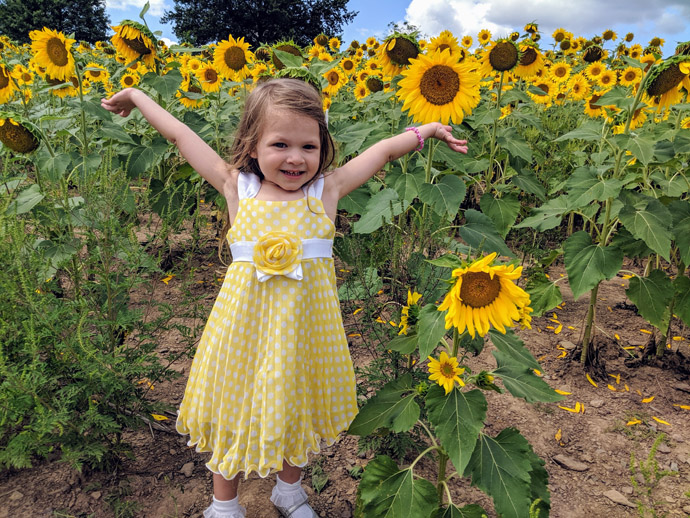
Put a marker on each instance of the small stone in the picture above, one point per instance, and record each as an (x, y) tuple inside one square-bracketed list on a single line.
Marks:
[(95, 495), (569, 346), (628, 490), (677, 437), (670, 499), (618, 498), (686, 509), (663, 448), (187, 469), (596, 403), (570, 463), (172, 451), (16, 495), (674, 466)]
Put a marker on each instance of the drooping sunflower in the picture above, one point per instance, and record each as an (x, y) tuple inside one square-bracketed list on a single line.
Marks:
[(629, 37), (609, 35), (336, 79), (285, 46), (484, 295), (501, 56), (437, 88), (410, 312), (7, 86), (593, 53), (231, 58), (531, 28), (52, 51), (467, 41), (630, 76), (664, 83), (209, 78), (531, 61), (133, 40), (396, 53), (484, 37), (17, 135), (445, 371), (443, 41), (656, 42)]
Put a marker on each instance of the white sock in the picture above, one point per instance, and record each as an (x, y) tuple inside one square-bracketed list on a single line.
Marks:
[(225, 509), (287, 495)]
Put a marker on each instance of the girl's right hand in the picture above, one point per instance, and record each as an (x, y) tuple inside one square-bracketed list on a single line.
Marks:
[(121, 103)]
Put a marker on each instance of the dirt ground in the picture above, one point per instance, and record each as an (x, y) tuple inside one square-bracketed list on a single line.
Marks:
[(587, 454)]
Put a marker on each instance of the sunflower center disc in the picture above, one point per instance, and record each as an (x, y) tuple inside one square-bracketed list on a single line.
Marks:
[(479, 289), (333, 78), (503, 56), (57, 52), (234, 58), (138, 46), (210, 75), (447, 370), (402, 51), (443, 47), (629, 76), (4, 79), (529, 56), (374, 84), (348, 65), (439, 85), (666, 80), (128, 80)]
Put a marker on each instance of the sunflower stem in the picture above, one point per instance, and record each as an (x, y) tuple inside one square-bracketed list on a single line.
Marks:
[(456, 342), (427, 179), (441, 481), (591, 313), (492, 146)]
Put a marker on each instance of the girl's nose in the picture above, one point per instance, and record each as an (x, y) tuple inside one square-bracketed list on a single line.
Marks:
[(294, 157)]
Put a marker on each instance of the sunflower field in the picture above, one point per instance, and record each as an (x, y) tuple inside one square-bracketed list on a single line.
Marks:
[(577, 157)]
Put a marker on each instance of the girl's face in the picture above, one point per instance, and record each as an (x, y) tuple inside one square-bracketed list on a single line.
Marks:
[(288, 150)]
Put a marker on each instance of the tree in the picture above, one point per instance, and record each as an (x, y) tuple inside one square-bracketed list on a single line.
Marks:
[(85, 18), (258, 21)]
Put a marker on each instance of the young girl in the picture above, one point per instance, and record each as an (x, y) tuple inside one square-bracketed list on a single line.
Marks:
[(272, 375)]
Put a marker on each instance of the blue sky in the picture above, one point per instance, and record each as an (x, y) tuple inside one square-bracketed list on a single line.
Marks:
[(667, 19)]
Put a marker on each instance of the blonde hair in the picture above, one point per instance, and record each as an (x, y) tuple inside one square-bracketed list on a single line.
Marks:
[(286, 94)]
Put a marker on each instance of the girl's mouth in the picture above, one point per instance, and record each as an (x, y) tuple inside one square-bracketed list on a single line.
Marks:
[(291, 173)]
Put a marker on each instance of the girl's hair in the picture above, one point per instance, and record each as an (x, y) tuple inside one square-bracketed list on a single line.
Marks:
[(287, 94)]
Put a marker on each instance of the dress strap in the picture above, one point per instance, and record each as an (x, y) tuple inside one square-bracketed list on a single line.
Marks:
[(248, 185), (315, 189)]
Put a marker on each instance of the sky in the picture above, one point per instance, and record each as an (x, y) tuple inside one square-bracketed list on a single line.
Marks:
[(667, 19)]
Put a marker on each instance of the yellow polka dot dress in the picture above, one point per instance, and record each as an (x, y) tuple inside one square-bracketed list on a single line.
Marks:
[(272, 375)]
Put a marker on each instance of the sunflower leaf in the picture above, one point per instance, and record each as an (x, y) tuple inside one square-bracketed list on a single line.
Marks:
[(445, 196), (467, 511), (682, 294), (480, 233), (544, 296), (388, 492), (680, 209), (652, 296), (546, 217), (589, 131), (585, 186), (457, 419), (381, 208), (165, 85), (522, 382), (392, 407), (405, 344), (513, 347), (502, 211), (25, 200), (588, 264), (432, 329), (648, 219)]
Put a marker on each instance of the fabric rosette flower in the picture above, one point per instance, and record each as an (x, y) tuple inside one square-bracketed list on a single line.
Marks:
[(278, 253)]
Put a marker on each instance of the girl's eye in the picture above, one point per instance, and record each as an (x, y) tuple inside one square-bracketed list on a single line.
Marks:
[(280, 145), (310, 146)]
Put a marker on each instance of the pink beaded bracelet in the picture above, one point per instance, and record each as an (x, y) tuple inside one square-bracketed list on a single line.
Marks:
[(419, 137)]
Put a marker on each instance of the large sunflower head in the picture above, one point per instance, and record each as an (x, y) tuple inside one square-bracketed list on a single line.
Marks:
[(484, 295), (438, 88), (560, 71), (133, 40), (52, 51), (503, 55), (667, 75), (285, 46), (396, 52), (231, 58), (17, 135), (531, 60)]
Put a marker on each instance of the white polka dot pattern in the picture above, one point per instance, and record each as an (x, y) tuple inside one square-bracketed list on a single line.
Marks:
[(272, 375)]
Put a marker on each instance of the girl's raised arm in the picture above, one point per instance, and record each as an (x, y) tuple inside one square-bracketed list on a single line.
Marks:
[(358, 170), (200, 155)]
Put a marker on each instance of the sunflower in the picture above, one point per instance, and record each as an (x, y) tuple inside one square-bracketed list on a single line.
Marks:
[(18, 136), (560, 72), (133, 40), (336, 79), (656, 42), (209, 78), (437, 88), (592, 109), (629, 37), (648, 60), (321, 40), (503, 55), (231, 58), (484, 37), (466, 41), (360, 91), (578, 87), (531, 61), (484, 295), (348, 65), (609, 35), (371, 41), (607, 79), (374, 83), (410, 313), (51, 50), (637, 120), (635, 51), (285, 46), (685, 123), (396, 53), (22, 74), (593, 53), (594, 70), (129, 79), (445, 372), (96, 73), (548, 87), (186, 87), (531, 28), (443, 41), (334, 44), (62, 89), (630, 76), (560, 34), (7, 86)]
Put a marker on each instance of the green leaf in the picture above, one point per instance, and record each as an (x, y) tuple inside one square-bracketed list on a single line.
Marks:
[(509, 139), (405, 344), (521, 381), (528, 182), (479, 232), (356, 201), (144, 10), (457, 419), (649, 220), (664, 151), (642, 148), (115, 132), (407, 184), (141, 160), (589, 131), (95, 109), (165, 85), (25, 200), (382, 207), (588, 264), (467, 511), (357, 289), (680, 209), (652, 296), (617, 96), (388, 492), (544, 295), (392, 407), (431, 329), (500, 467), (510, 345), (287, 59), (53, 167), (446, 261), (445, 196), (674, 187), (547, 216), (502, 211), (585, 186), (682, 294)]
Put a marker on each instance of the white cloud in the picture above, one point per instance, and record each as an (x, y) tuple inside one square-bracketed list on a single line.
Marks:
[(156, 7)]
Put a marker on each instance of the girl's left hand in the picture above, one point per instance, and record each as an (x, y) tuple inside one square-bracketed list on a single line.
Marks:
[(444, 133)]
